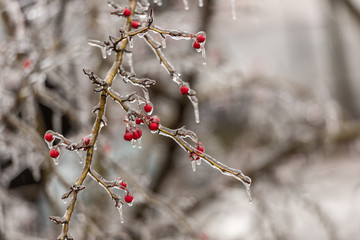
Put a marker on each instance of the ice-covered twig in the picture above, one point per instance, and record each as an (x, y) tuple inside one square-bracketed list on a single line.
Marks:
[(210, 160)]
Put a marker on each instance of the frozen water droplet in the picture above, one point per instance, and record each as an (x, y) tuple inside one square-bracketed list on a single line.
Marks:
[(249, 193), (65, 200), (103, 52), (56, 161), (186, 5), (163, 42), (139, 143), (133, 143), (198, 161), (201, 3), (193, 165), (79, 153), (131, 42), (119, 208)]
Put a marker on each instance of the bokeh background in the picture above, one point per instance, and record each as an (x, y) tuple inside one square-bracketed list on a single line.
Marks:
[(278, 96)]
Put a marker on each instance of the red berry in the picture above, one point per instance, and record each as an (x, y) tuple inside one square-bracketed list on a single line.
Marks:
[(153, 126), (184, 90), (200, 38), (123, 185), (147, 108), (128, 198), (199, 147), (135, 24), (49, 137), (155, 119), (138, 121), (196, 45), (126, 12), (128, 136), (139, 132), (135, 135), (54, 153), (86, 141)]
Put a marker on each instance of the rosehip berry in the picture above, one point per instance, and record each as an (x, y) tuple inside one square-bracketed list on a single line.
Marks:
[(184, 90), (200, 38), (54, 153), (49, 137), (86, 141), (123, 185), (153, 126), (128, 198), (196, 45), (147, 108), (135, 24), (128, 136), (126, 12)]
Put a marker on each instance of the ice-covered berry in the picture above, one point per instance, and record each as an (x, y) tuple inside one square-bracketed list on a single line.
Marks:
[(126, 12), (54, 153), (196, 45), (153, 126), (128, 198), (184, 90), (123, 184), (147, 108), (135, 24), (128, 136), (86, 141), (200, 38), (49, 137)]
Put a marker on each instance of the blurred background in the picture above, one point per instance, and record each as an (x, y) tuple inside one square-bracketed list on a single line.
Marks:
[(278, 96)]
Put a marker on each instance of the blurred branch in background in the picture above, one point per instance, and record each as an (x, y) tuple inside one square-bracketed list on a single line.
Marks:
[(300, 147)]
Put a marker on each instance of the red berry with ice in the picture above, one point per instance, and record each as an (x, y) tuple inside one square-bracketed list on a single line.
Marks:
[(196, 45), (49, 137), (128, 198), (184, 90), (200, 38), (54, 153), (147, 108), (126, 12)]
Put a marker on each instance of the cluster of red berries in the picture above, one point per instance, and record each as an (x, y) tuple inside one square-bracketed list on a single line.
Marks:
[(54, 152), (133, 133), (122, 185), (198, 41), (199, 149)]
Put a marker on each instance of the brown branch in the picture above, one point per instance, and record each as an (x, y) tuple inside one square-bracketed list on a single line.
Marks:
[(96, 128)]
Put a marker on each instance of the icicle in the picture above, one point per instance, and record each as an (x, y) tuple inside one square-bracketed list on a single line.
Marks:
[(130, 62), (194, 102), (233, 9), (158, 2), (193, 165), (201, 3), (119, 208), (79, 153), (131, 42), (163, 42), (133, 143), (249, 193), (203, 54), (56, 160), (186, 5)]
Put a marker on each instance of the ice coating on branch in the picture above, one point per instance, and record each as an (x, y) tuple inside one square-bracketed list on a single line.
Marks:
[(194, 154), (233, 9), (194, 101), (180, 133), (103, 47)]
